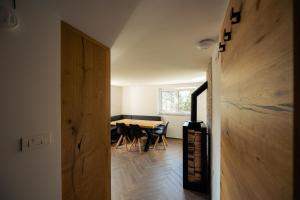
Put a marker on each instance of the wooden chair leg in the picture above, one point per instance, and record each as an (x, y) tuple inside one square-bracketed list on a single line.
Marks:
[(133, 142), (118, 143), (156, 142), (139, 141), (128, 139), (165, 139)]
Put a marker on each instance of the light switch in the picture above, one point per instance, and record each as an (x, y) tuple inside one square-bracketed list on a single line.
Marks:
[(34, 142)]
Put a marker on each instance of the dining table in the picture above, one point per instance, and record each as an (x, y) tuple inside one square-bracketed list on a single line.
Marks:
[(142, 123), (147, 125)]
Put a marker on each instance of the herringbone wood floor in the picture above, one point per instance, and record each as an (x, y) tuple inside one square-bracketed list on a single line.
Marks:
[(152, 175)]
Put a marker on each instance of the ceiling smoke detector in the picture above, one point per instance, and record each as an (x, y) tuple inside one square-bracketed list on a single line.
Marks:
[(206, 43)]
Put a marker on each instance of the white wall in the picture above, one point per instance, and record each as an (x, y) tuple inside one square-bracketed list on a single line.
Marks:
[(144, 100), (116, 100), (30, 104), (140, 100), (216, 126), (30, 87)]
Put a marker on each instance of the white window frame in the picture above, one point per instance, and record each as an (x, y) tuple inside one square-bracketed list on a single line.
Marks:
[(161, 112)]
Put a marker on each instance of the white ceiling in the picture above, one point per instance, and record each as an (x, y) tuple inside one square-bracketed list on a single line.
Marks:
[(100, 19), (158, 43), (153, 41)]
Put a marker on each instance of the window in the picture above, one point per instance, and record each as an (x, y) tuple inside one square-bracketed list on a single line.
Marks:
[(177, 101)]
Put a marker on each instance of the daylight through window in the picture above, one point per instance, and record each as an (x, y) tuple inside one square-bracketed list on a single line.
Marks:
[(176, 101)]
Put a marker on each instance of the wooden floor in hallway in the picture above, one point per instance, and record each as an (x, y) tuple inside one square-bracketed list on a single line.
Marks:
[(152, 175)]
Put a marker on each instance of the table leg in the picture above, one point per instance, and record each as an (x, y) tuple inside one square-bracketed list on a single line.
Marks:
[(149, 138)]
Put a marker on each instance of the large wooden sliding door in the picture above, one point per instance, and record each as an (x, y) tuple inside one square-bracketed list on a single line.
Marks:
[(85, 98), (257, 102)]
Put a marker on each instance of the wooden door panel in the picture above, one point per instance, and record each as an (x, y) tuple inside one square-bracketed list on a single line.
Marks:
[(85, 117), (257, 103)]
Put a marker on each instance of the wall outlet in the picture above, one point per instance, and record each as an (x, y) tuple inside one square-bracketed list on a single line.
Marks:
[(34, 142)]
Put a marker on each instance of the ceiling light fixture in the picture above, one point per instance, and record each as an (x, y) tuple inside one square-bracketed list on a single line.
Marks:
[(205, 43)]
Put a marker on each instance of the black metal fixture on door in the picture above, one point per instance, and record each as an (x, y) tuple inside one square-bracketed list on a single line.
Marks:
[(222, 47), (226, 35), (235, 17)]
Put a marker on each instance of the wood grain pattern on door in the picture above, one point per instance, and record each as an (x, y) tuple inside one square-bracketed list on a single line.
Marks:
[(257, 102), (85, 110)]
